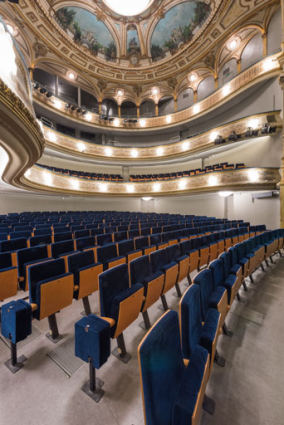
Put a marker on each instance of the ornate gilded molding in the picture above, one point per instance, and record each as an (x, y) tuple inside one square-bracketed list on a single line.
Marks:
[(185, 148), (244, 179), (264, 69), (17, 107)]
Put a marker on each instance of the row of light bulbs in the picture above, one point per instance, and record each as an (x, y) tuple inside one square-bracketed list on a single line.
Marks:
[(213, 181), (268, 65), (160, 151)]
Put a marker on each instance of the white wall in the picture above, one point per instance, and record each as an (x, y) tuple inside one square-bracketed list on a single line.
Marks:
[(261, 211), (185, 99), (253, 51), (205, 88), (233, 71), (240, 206), (274, 33)]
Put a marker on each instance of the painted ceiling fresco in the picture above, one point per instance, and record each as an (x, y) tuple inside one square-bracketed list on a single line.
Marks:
[(178, 27), (84, 28)]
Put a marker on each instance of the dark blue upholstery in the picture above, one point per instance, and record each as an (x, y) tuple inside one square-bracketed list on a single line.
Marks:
[(86, 242), (126, 247), (113, 288), (217, 273), (40, 274), (41, 232), (104, 239), (189, 388), (158, 260), (59, 237), (81, 234), (120, 236), (5, 261), (16, 323), (17, 235), (61, 248), (40, 240), (107, 254), (162, 369), (78, 262), (13, 245), (92, 340), (3, 236), (28, 256)]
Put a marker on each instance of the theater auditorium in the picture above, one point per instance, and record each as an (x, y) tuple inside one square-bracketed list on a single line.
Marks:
[(141, 212)]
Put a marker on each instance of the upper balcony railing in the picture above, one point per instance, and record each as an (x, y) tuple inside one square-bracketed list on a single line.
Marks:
[(261, 70)]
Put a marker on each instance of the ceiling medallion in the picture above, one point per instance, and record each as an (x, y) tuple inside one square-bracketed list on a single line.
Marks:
[(134, 59), (128, 7)]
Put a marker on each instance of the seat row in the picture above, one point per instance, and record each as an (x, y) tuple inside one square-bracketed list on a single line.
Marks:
[(83, 174), (125, 290), (168, 176)]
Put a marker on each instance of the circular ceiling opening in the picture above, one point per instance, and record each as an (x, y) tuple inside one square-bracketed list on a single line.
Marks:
[(128, 7)]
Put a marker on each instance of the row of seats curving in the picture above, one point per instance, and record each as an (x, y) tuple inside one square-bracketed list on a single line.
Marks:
[(83, 174), (170, 176), (128, 286)]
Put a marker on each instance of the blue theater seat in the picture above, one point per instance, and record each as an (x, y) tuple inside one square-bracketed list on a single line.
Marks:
[(51, 289), (120, 304), (230, 282), (153, 283), (126, 249), (104, 239), (159, 263), (12, 246), (86, 271), (120, 236), (81, 234), (193, 254), (143, 244), (172, 393), (212, 297), (60, 237), (62, 249), (174, 255), (193, 331), (108, 256), (45, 231), (27, 257), (156, 240), (8, 277)]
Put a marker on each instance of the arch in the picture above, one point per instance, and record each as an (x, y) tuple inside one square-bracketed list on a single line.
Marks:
[(252, 52), (185, 99), (128, 108), (166, 105), (205, 88), (274, 33), (109, 107), (147, 108)]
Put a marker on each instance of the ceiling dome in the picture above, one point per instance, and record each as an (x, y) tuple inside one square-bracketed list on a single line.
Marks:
[(128, 7)]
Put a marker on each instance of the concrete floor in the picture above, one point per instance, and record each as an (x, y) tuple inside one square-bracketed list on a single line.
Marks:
[(249, 390)]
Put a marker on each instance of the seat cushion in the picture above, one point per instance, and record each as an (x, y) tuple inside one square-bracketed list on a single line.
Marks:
[(229, 283), (216, 297), (189, 387), (209, 330)]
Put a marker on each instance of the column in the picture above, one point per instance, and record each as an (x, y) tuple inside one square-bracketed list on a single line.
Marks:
[(31, 71), (79, 97), (138, 111), (156, 109), (100, 107), (239, 63), (195, 96), (119, 111), (176, 104), (216, 80), (264, 41)]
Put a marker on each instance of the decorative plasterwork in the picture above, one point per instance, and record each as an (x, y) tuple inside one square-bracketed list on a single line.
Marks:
[(231, 15), (267, 68), (243, 179), (186, 148)]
